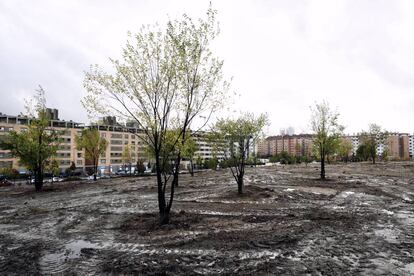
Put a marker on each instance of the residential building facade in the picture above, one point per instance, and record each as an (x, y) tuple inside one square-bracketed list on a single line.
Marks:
[(117, 135), (295, 145), (399, 146)]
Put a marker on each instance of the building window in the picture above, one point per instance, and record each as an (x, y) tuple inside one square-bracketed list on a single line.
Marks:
[(5, 129), (103, 160), (116, 142), (79, 162), (6, 164), (79, 155)]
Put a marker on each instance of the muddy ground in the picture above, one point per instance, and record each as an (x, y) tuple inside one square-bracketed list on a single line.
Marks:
[(360, 221)]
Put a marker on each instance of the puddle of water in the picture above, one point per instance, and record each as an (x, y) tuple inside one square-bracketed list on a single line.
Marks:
[(289, 190), (56, 263), (318, 190), (75, 247)]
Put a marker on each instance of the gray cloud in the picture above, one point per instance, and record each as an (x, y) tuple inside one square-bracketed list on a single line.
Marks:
[(283, 55)]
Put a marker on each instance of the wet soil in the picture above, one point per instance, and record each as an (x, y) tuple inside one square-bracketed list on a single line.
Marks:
[(288, 222)]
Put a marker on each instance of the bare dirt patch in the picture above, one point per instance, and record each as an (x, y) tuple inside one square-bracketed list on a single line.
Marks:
[(359, 222)]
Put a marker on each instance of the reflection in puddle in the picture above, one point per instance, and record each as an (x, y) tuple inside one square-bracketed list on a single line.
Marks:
[(55, 262)]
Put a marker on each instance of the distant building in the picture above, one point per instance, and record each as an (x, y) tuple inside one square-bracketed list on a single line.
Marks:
[(396, 146), (295, 145), (411, 145), (399, 146), (119, 137)]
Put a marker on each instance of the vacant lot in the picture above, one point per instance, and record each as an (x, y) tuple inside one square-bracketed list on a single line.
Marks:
[(360, 221)]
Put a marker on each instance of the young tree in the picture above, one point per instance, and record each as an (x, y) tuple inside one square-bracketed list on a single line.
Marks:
[(327, 131), (140, 167), (53, 167), (188, 152), (94, 145), (372, 138), (72, 168), (332, 148), (165, 81), (199, 161), (345, 149), (234, 138), (127, 155), (363, 152), (38, 144)]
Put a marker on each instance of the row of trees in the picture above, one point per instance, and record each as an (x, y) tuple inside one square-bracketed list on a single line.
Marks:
[(169, 82)]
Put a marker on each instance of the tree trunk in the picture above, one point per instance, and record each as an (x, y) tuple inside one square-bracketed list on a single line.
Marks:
[(191, 168), (175, 170), (322, 166), (240, 183), (175, 181), (95, 168), (38, 180), (164, 214)]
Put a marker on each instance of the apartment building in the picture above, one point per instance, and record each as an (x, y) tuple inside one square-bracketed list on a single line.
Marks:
[(68, 130), (399, 146), (118, 136), (354, 139), (296, 145)]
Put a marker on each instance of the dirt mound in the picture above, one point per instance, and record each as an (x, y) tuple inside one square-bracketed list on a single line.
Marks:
[(147, 223), (250, 192)]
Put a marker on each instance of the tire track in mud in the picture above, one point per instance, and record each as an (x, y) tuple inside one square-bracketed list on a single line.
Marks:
[(290, 223)]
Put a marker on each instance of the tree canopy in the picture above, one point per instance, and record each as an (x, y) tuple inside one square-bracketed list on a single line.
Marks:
[(234, 139), (165, 81), (327, 130), (372, 138), (38, 144), (94, 145)]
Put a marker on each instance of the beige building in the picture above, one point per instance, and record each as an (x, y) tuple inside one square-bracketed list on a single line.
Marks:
[(398, 146), (295, 145), (119, 137)]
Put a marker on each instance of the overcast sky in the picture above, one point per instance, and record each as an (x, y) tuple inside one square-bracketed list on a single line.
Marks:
[(283, 55)]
